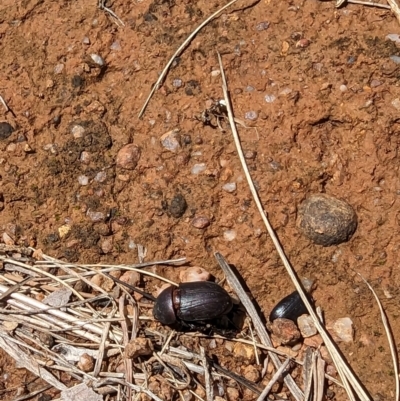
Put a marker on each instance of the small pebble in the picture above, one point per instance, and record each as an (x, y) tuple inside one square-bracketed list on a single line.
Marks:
[(395, 59), (394, 37), (285, 331), (250, 88), (58, 69), (95, 216), (6, 130), (326, 220), (115, 46), (11, 147), (98, 60), (215, 73), (171, 141), (251, 373), (177, 83), (138, 347), (229, 187), (201, 222), (286, 91), (101, 176), (251, 115), (262, 26), (250, 154), (86, 41), (77, 131), (306, 326), (270, 98), (244, 352), (342, 330), (194, 273), (396, 103), (128, 157), (303, 43), (85, 157), (343, 88), (375, 83), (198, 168), (131, 277), (86, 363), (229, 235), (107, 245), (83, 180), (178, 206)]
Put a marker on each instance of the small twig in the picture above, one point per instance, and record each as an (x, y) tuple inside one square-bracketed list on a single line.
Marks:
[(207, 376), (4, 103), (32, 394), (275, 377), (368, 3), (179, 51), (102, 6)]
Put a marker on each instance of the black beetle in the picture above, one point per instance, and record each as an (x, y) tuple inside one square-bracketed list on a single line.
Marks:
[(192, 302), (291, 307)]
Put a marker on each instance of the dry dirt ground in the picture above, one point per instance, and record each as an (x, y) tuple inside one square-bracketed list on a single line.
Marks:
[(319, 84)]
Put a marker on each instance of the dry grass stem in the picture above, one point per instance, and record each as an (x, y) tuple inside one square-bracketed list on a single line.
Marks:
[(349, 379), (274, 379), (181, 48)]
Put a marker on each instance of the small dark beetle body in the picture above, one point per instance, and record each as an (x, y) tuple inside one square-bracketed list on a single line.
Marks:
[(290, 307), (192, 302)]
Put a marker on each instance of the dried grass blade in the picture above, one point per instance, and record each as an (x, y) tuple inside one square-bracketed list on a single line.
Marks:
[(320, 378), (258, 324), (275, 377), (389, 336), (343, 369), (179, 51), (28, 362), (395, 8)]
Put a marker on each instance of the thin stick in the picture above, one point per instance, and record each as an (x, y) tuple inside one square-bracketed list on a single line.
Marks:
[(370, 4), (178, 52), (207, 376), (389, 336), (275, 377), (4, 103), (344, 371)]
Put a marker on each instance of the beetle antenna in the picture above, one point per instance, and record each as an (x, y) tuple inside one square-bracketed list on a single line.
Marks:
[(131, 287)]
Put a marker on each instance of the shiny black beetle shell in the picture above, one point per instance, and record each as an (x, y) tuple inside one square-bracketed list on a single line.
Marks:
[(192, 302), (291, 307)]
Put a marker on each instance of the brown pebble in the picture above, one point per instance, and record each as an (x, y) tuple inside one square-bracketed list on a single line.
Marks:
[(326, 220), (285, 331), (303, 43), (194, 273), (86, 363), (244, 353), (128, 157), (131, 277), (201, 222), (107, 245), (251, 373), (138, 347)]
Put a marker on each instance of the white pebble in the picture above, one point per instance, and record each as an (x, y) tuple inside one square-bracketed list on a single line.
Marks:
[(83, 180), (343, 88), (58, 68), (394, 37), (229, 235), (251, 115), (396, 103), (115, 46), (270, 98), (343, 329), (198, 168), (395, 59), (98, 59), (101, 176), (86, 41), (229, 187), (286, 91), (95, 216), (215, 73), (306, 326), (77, 131), (170, 141), (85, 157)]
